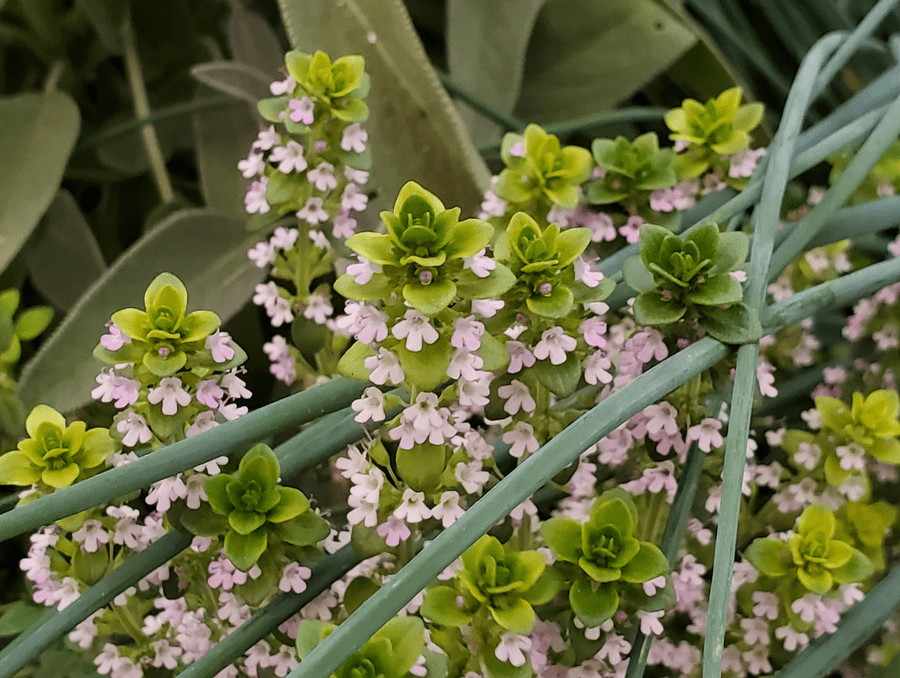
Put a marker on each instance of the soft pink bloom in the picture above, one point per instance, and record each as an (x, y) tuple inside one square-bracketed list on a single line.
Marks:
[(416, 329), (294, 578), (554, 344), (354, 138), (302, 110), (394, 531)]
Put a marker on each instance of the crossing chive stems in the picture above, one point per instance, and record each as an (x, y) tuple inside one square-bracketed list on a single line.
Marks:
[(231, 437)]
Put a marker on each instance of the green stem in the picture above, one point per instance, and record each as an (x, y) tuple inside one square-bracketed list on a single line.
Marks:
[(230, 437), (765, 219), (149, 137), (52, 79)]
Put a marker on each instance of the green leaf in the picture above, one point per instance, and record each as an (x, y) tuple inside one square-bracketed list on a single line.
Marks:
[(486, 45), (637, 276), (205, 249), (358, 591), (857, 568), (63, 236), (310, 633), (32, 322), (648, 564), (408, 105), (252, 41), (493, 353), (430, 299), (560, 380), (407, 638), (426, 368), (598, 193), (440, 607), (245, 549), (203, 522), (517, 617), (241, 81), (352, 363), (651, 308), (706, 238), (245, 522), (557, 304), (593, 606), (770, 556), (733, 247), (37, 133), (18, 616), (293, 503), (563, 536), (716, 290), (421, 466), (586, 57), (737, 324), (222, 138), (305, 530)]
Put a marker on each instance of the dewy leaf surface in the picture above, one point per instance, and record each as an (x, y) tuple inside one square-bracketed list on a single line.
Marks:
[(414, 130), (37, 133), (588, 55), (207, 250), (486, 45)]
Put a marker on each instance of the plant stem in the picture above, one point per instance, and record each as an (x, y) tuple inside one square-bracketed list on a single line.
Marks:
[(149, 137)]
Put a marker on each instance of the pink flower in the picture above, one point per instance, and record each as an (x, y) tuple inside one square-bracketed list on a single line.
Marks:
[(519, 356), (266, 139), (353, 200), (289, 157), (302, 110), (416, 329), (286, 86), (512, 648), (251, 166), (480, 264), (412, 508), (294, 578), (650, 624), (134, 430), (167, 491), (255, 198), (209, 393), (447, 510), (596, 368), (115, 339), (521, 439), (323, 176), (354, 138), (393, 530), (554, 344), (384, 367), (471, 476), (171, 394), (467, 333), (706, 433), (91, 535), (517, 397), (369, 406), (594, 330), (313, 212)]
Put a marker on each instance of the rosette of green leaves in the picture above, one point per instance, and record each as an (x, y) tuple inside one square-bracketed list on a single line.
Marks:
[(421, 255), (164, 336), (539, 171), (871, 421), (674, 276), (55, 454), (541, 259), (631, 167), (811, 555), (341, 86), (256, 510), (720, 126), (494, 579), (390, 653), (602, 556)]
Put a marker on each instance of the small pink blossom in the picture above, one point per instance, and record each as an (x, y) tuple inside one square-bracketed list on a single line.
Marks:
[(115, 338), (393, 530), (171, 394), (354, 138), (294, 578), (517, 397), (91, 536), (302, 110), (323, 176), (554, 344), (416, 329), (313, 212), (519, 356), (521, 439)]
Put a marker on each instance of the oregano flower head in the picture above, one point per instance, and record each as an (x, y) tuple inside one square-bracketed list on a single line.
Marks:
[(541, 259), (631, 166), (539, 170), (55, 454), (257, 509), (674, 275), (871, 421), (604, 552), (163, 336), (812, 554), (421, 255), (720, 126), (341, 85)]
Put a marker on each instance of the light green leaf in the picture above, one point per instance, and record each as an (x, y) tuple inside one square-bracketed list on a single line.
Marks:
[(223, 136), (586, 56), (440, 607), (64, 236), (37, 133), (241, 81), (486, 45), (716, 290), (650, 308), (32, 322), (737, 324), (205, 249), (593, 606), (253, 42), (414, 130), (245, 549)]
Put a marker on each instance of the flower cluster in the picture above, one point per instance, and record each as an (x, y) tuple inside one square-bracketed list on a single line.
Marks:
[(309, 166)]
